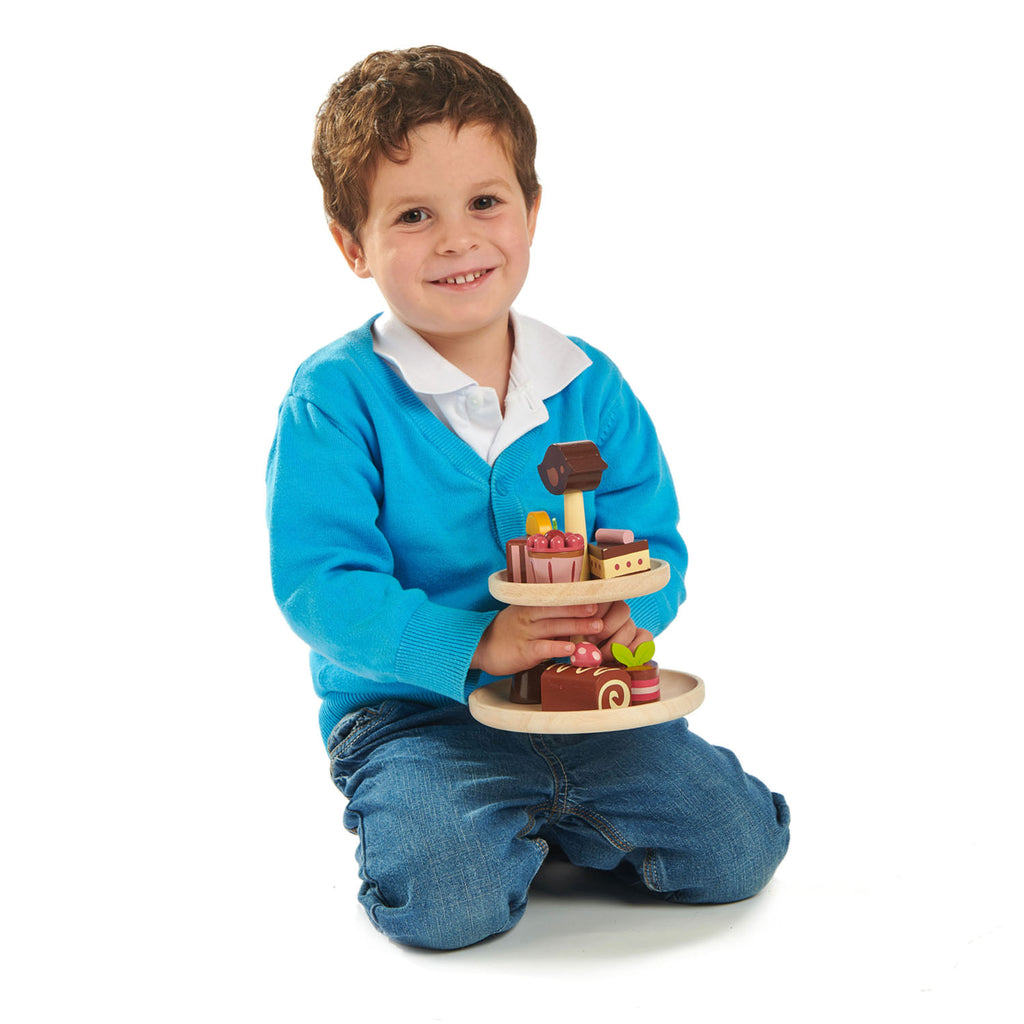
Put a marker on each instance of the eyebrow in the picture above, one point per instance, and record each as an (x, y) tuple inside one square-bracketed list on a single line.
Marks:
[(491, 183)]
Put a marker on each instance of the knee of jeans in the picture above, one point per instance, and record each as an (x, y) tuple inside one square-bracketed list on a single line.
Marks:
[(736, 865), (757, 850), (441, 919)]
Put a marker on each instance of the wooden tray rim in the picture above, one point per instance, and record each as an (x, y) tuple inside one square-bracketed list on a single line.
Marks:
[(596, 591), (681, 693)]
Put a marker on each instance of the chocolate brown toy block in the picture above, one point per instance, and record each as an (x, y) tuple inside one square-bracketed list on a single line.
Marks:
[(516, 566), (572, 465), (525, 688), (568, 688)]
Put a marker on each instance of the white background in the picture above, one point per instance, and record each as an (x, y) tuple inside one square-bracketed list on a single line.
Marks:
[(798, 228)]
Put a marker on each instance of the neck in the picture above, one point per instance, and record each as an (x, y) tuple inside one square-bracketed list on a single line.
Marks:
[(486, 356)]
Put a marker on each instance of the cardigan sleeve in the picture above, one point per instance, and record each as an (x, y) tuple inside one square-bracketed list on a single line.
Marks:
[(333, 570)]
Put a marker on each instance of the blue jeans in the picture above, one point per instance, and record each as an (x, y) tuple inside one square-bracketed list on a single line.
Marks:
[(454, 818)]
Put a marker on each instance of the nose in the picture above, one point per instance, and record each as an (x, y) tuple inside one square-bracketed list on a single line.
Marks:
[(458, 235)]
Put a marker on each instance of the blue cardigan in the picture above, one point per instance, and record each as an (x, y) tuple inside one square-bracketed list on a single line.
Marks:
[(384, 525)]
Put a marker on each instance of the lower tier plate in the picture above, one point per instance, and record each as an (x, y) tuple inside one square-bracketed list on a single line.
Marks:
[(681, 693)]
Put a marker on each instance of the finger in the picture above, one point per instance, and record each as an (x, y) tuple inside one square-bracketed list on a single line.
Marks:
[(639, 636), (566, 611), (547, 650), (626, 635), (615, 619), (549, 628), (564, 620)]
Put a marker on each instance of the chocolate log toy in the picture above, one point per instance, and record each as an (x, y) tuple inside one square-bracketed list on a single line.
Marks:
[(568, 688), (569, 469)]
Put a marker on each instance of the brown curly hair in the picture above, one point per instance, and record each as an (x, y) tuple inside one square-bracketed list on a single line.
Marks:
[(370, 111)]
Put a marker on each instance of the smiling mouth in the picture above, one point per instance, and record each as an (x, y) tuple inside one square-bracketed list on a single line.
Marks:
[(474, 275)]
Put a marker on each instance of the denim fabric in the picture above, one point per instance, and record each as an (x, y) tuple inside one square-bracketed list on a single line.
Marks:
[(455, 818)]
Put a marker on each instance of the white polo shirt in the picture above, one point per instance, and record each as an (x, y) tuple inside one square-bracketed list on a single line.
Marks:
[(543, 362)]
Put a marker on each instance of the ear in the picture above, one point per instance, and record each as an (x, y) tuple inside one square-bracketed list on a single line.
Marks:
[(350, 249), (531, 216)]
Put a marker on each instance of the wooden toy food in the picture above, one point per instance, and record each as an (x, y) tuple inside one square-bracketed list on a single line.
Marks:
[(644, 677), (556, 688), (539, 522), (568, 688), (586, 655), (556, 557), (569, 469), (526, 685), (607, 561), (516, 561), (550, 555)]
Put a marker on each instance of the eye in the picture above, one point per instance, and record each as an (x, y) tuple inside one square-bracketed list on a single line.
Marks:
[(416, 216), (482, 203)]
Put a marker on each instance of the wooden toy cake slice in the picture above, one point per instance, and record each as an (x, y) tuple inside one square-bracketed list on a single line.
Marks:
[(644, 677), (617, 553)]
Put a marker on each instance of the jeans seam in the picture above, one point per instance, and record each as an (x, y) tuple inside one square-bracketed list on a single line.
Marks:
[(372, 717), (650, 871), (560, 805), (368, 721), (558, 774), (601, 825), (531, 820)]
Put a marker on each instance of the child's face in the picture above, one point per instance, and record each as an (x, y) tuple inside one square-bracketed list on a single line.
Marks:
[(447, 237)]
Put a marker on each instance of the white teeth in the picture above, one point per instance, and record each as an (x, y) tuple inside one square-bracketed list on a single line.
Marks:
[(463, 278)]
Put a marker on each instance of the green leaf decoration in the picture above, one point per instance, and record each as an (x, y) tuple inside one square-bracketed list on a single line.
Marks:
[(644, 652), (624, 656)]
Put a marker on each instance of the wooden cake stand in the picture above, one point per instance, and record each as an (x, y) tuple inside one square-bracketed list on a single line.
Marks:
[(681, 693)]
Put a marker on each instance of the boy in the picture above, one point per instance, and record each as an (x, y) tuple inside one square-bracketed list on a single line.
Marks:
[(405, 457)]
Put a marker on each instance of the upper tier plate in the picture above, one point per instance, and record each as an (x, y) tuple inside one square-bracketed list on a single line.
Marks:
[(622, 588)]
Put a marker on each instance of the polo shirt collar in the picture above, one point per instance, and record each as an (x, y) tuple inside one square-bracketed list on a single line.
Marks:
[(543, 360), (543, 363)]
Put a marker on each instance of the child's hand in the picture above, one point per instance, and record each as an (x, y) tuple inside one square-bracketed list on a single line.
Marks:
[(619, 628), (519, 637)]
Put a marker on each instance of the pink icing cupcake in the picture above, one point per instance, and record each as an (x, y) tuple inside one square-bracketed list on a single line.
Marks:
[(555, 557)]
